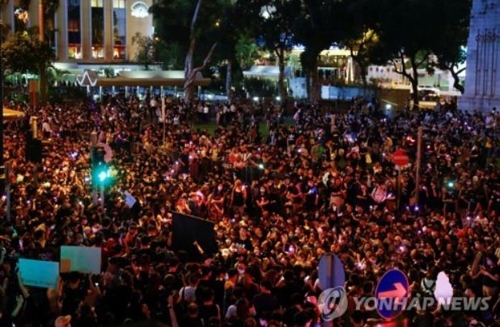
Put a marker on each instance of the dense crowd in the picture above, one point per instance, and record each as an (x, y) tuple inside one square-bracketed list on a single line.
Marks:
[(316, 182)]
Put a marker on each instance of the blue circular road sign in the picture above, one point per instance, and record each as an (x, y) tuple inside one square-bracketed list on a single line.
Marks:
[(391, 294)]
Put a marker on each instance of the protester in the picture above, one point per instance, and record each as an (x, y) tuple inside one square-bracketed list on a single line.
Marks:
[(324, 183)]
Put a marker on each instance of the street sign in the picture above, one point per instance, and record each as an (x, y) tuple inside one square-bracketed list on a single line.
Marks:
[(331, 271), (391, 291), (400, 158)]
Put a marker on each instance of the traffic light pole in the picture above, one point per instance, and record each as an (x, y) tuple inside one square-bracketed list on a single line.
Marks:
[(419, 161), (102, 197), (93, 145)]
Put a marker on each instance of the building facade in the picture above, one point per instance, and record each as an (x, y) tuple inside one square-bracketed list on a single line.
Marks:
[(482, 82), (88, 31)]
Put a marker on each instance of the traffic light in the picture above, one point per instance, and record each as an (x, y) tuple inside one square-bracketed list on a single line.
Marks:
[(102, 175)]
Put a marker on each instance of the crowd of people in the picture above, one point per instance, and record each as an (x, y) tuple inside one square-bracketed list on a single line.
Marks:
[(317, 182)]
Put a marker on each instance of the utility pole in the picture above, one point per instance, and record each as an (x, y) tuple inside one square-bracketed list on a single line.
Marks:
[(419, 161)]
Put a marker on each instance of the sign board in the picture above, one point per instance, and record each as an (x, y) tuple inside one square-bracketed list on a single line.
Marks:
[(331, 271), (139, 9), (190, 234), (391, 291), (88, 78), (400, 158), (38, 273), (83, 259), (129, 199)]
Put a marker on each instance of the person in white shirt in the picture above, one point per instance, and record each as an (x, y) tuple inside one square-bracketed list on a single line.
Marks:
[(46, 129)]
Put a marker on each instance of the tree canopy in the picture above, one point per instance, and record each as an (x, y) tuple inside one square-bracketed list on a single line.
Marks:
[(404, 33), (23, 52)]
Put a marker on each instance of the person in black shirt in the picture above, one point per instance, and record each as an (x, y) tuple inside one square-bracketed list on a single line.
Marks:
[(265, 302), (192, 317), (490, 277), (311, 195), (73, 293), (243, 242), (208, 308)]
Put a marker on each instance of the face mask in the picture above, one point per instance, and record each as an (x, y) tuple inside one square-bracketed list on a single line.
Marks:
[(241, 271), (262, 190), (220, 188)]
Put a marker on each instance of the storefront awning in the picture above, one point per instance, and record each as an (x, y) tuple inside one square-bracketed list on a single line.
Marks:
[(9, 114)]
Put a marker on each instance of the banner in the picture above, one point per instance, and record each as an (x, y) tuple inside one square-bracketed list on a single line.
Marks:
[(129, 199), (38, 273), (193, 235), (83, 259)]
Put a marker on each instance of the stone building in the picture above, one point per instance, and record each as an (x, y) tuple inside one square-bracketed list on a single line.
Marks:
[(482, 81)]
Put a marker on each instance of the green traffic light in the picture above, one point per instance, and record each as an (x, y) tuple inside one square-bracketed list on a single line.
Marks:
[(102, 176)]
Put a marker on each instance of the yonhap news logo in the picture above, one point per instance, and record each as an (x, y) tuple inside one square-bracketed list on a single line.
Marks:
[(333, 303)]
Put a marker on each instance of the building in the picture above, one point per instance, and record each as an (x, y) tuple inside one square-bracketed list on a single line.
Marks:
[(88, 32), (482, 83)]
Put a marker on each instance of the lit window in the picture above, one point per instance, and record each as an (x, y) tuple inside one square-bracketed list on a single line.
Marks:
[(119, 4), (97, 3)]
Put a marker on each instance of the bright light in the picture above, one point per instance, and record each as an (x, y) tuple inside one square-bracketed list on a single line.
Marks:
[(267, 11), (388, 106), (261, 166), (278, 98), (256, 99), (102, 176)]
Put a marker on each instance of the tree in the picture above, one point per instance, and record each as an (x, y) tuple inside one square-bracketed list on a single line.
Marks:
[(145, 49), (247, 51), (404, 41), (23, 52), (195, 27), (319, 25), (234, 57), (241, 19), (49, 8), (276, 32), (362, 35), (449, 46), (359, 49), (55, 75)]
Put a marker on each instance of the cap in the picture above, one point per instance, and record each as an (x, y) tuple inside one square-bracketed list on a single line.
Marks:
[(63, 321)]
